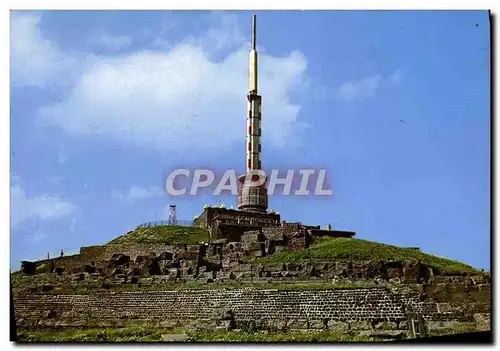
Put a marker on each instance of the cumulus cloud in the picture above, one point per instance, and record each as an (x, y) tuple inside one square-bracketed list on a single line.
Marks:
[(367, 87), (164, 99), (34, 60), (43, 207), (136, 192)]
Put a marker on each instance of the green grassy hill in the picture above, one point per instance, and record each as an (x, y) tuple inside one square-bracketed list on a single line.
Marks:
[(322, 249), (170, 234), (348, 249)]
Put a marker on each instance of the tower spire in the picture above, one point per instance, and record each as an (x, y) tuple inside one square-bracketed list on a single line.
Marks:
[(253, 59), (254, 31)]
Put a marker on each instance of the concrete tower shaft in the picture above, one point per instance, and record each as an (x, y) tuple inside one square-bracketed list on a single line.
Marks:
[(254, 109), (253, 197)]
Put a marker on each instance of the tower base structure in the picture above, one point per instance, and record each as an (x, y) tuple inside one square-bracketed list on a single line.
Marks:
[(252, 198)]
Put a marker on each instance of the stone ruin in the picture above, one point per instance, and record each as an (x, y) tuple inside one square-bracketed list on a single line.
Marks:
[(385, 298), (219, 261)]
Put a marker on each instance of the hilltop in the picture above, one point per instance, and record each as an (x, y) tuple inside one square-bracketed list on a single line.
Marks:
[(284, 278), (322, 249), (167, 234)]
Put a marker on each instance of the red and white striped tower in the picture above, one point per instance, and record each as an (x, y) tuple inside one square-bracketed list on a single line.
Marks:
[(250, 197)]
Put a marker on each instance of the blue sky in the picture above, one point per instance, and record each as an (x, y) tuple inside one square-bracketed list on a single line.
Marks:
[(395, 105)]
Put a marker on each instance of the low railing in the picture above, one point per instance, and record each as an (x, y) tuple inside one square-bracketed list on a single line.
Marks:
[(184, 223)]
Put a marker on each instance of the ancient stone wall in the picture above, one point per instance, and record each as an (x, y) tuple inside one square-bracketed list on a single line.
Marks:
[(106, 252), (441, 300), (334, 309), (223, 262)]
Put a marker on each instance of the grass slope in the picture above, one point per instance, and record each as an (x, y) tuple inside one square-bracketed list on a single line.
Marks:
[(154, 335), (169, 234), (348, 249)]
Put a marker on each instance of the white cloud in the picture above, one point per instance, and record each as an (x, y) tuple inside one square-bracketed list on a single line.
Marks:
[(395, 77), (224, 32), (166, 99), (44, 207), (136, 192), (363, 89), (35, 61), (366, 88), (111, 42), (162, 100)]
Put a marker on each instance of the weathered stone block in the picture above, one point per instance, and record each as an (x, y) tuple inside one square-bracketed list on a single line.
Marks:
[(437, 291), (481, 279), (233, 263), (483, 321), (394, 273), (281, 324), (221, 275), (206, 324), (292, 266), (76, 277), (43, 268), (319, 266), (359, 270), (243, 275), (316, 324), (412, 271), (279, 248), (251, 246), (174, 337), (444, 307), (186, 271), (306, 270), (342, 269), (225, 263), (255, 254), (337, 325), (242, 267), (386, 326), (272, 267), (295, 324), (224, 326), (193, 248), (360, 325), (165, 256), (28, 267), (206, 275)]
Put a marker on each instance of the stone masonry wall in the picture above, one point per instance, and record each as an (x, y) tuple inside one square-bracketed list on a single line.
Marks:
[(334, 309), (442, 301)]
